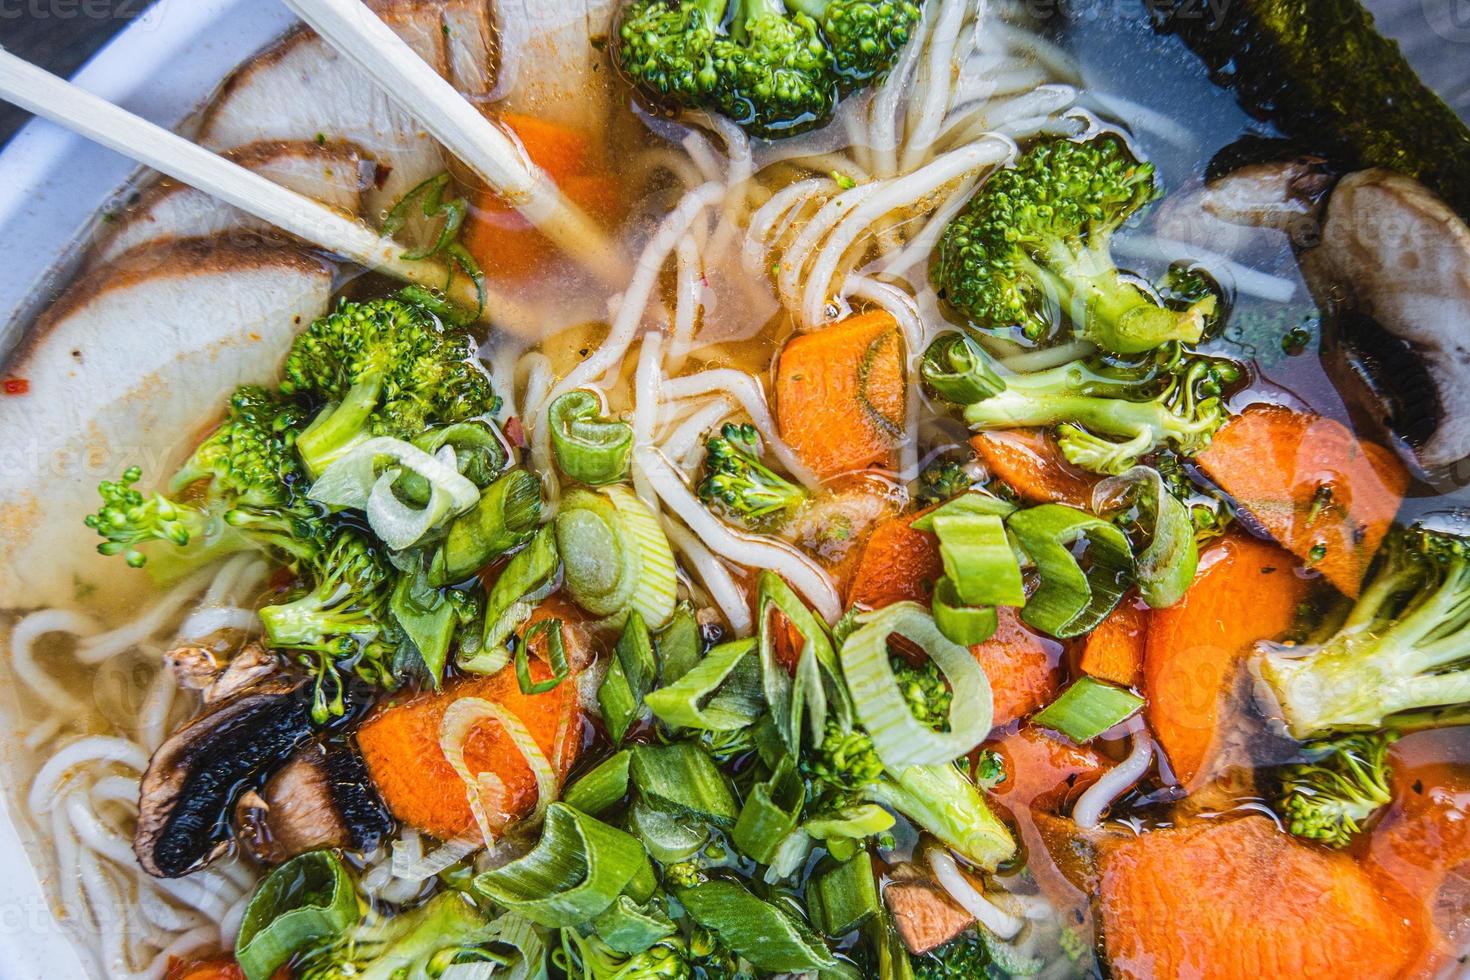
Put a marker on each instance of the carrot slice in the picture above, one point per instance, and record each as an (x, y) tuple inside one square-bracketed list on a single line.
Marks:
[(1030, 463), (1420, 848), (506, 245), (898, 563), (1114, 650), (841, 394), (1043, 771), (1246, 590), (1316, 489), (1023, 667), (1240, 900), (218, 968), (400, 744)]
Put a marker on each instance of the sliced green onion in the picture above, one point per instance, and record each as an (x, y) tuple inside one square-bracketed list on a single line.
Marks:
[(844, 897), (629, 678), (577, 869), (427, 618), (667, 834), (353, 482), (959, 370), (946, 803), (505, 518), (1166, 567), (678, 645), (524, 581), (683, 777), (486, 794), (429, 197), (899, 738), (589, 448), (767, 936), (978, 560), (1069, 601), (630, 927), (308, 899), (519, 933), (817, 670), (1088, 708), (771, 811), (479, 454), (964, 624), (721, 693), (556, 657), (603, 788), (851, 823), (616, 556), (976, 503)]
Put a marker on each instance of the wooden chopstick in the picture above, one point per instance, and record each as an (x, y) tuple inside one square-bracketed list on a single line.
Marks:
[(360, 35), (69, 105)]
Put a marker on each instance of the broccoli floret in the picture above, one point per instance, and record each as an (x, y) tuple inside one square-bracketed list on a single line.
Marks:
[(963, 958), (242, 488), (743, 487), (699, 955), (1343, 782), (1168, 399), (775, 68), (385, 368), (1033, 247), (866, 36), (1404, 647), (341, 622), (940, 799), (943, 480), (421, 943)]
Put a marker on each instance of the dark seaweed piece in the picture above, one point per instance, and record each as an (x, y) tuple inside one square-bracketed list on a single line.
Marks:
[(1323, 74)]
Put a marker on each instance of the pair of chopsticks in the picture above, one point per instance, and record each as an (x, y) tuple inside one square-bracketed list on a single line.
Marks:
[(357, 33)]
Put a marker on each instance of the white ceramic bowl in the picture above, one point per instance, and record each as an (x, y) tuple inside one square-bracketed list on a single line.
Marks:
[(164, 66)]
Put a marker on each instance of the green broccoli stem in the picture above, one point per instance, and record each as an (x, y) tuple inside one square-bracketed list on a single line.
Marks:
[(340, 427), (318, 617), (1378, 666), (942, 801), (1110, 311)]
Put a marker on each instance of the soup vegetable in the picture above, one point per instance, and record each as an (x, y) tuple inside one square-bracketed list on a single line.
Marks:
[(990, 528)]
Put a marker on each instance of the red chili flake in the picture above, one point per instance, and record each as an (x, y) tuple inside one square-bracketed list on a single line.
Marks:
[(515, 432), (17, 386)]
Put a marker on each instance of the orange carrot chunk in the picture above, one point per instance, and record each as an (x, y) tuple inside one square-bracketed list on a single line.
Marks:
[(506, 245), (1043, 771), (841, 394), (1316, 489), (898, 563), (1245, 590), (1023, 667), (1114, 650), (400, 744), (1030, 463), (217, 968), (1240, 900)]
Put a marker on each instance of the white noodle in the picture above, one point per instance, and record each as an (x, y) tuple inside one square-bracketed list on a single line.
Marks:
[(22, 659), (647, 388), (745, 389), (718, 582), (685, 440), (794, 258), (688, 288), (758, 236), (1227, 271), (906, 191), (936, 79), (1102, 794), (971, 899)]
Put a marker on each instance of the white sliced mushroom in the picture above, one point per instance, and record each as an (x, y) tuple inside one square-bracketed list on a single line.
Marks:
[(122, 370), (332, 173), (1396, 254)]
